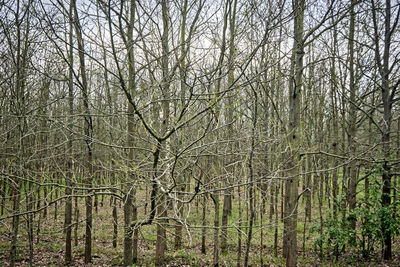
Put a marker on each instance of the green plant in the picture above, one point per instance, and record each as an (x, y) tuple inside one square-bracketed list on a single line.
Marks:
[(374, 221), (335, 236)]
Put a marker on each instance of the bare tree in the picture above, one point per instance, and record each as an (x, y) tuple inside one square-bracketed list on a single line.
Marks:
[(385, 66)]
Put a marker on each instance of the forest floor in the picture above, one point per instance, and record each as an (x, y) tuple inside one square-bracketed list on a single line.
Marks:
[(49, 247)]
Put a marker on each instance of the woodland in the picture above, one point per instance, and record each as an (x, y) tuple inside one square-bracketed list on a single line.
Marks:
[(199, 133)]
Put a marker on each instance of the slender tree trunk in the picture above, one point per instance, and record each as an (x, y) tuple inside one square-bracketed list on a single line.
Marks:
[(215, 199), (217, 91), (239, 253), (88, 129), (115, 222), (39, 214), (127, 228), (182, 73), (15, 222), (352, 116), (20, 79), (55, 180), (204, 226), (276, 224), (114, 209), (335, 126), (4, 193), (130, 191), (161, 243), (388, 93), (395, 178), (227, 203), (45, 180), (68, 179), (292, 183), (308, 192), (76, 209), (251, 181), (29, 221)]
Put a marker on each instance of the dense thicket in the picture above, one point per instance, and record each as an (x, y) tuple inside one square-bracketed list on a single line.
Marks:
[(259, 129)]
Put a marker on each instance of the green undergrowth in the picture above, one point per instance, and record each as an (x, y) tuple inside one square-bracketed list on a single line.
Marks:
[(330, 245)]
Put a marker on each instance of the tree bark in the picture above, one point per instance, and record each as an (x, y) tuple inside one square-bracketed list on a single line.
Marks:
[(130, 191), (165, 85), (88, 130), (292, 183), (215, 199), (68, 179), (388, 93), (352, 190), (20, 109)]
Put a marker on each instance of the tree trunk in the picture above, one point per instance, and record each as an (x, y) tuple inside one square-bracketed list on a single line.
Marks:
[(227, 203), (352, 190), (161, 243), (308, 206), (388, 94), (204, 224), (68, 178), (115, 222), (127, 228), (88, 129), (215, 199), (292, 183), (76, 209), (239, 253), (251, 181), (182, 73), (20, 110), (335, 126), (130, 191)]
